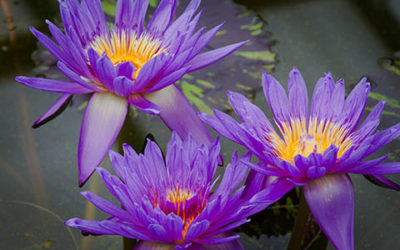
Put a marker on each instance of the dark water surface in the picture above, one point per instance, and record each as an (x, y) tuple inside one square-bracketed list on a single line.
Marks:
[(38, 172)]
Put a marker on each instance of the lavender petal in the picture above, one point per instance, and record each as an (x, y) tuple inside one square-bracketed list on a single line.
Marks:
[(101, 124)]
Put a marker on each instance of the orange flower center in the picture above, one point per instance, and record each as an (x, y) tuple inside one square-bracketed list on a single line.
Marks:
[(298, 141), (124, 46), (188, 211)]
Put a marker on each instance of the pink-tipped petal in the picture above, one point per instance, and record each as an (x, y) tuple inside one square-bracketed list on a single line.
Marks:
[(101, 124), (58, 105), (179, 115), (331, 201)]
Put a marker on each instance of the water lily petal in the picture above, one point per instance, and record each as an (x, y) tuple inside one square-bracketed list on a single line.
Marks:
[(73, 76), (49, 44), (101, 124), (57, 106), (162, 17), (179, 115), (276, 97), (210, 57), (125, 69), (94, 227), (139, 102), (331, 201), (122, 86), (380, 169), (130, 15), (298, 99), (53, 85), (382, 181), (355, 103)]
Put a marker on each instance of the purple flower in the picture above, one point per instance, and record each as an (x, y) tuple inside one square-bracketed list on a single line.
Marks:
[(316, 147), (127, 64), (173, 202)]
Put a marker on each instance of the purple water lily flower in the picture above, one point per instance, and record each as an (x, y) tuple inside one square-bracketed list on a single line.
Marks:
[(172, 201), (127, 64), (316, 148)]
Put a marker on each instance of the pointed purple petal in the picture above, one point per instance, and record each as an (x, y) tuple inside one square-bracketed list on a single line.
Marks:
[(158, 232), (107, 207), (380, 169), (122, 86), (101, 124), (216, 124), (53, 85), (131, 15), (149, 71), (167, 80), (272, 192), (123, 13), (179, 115), (374, 114), (331, 201), (355, 103), (298, 97), (337, 102), (276, 97), (48, 44), (382, 181), (73, 76), (321, 98), (382, 138), (125, 69), (196, 229), (93, 227), (253, 118), (205, 39), (105, 71), (58, 105), (162, 17), (143, 104), (210, 57)]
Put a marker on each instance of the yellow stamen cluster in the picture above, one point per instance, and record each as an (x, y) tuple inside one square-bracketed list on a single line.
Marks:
[(179, 196), (298, 141), (124, 46)]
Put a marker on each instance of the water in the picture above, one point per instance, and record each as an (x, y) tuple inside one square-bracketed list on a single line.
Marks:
[(38, 172)]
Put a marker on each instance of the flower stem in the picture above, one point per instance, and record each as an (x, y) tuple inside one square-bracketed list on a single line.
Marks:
[(306, 233), (130, 134), (128, 244)]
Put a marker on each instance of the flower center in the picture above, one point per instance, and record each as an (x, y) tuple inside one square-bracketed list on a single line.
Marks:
[(179, 195), (124, 46), (297, 140), (186, 204)]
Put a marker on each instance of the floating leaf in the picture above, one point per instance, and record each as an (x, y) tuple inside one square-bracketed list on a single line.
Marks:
[(153, 3), (109, 7), (380, 97), (392, 63)]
